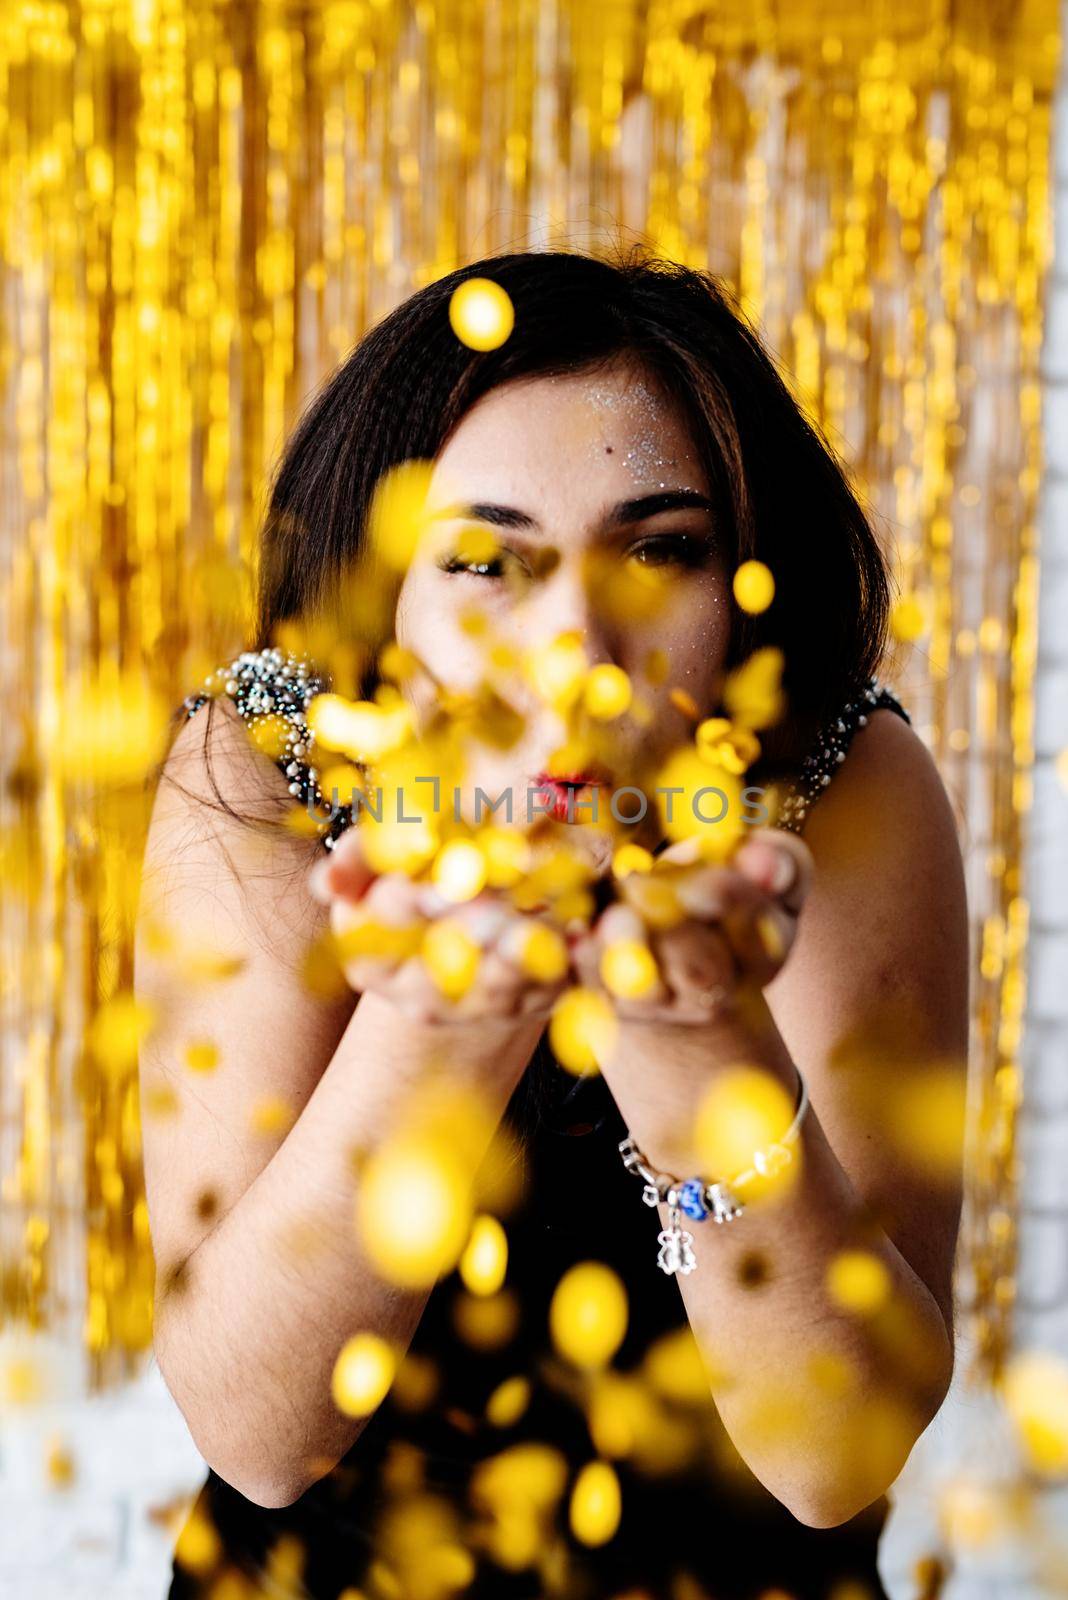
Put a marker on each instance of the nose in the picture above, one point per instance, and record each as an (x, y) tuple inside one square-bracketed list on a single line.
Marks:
[(568, 604)]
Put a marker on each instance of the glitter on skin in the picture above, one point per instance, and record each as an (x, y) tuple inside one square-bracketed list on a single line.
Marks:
[(643, 409)]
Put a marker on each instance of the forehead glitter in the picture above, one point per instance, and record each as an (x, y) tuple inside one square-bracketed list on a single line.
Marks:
[(639, 406)]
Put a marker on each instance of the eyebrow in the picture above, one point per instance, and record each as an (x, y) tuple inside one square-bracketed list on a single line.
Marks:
[(620, 515)]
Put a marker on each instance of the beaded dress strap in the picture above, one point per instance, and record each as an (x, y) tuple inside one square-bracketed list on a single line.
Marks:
[(271, 682), (829, 751)]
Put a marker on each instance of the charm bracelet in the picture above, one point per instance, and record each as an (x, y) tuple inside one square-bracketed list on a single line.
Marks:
[(697, 1199)]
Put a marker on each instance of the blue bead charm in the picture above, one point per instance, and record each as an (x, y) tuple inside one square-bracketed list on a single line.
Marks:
[(691, 1199)]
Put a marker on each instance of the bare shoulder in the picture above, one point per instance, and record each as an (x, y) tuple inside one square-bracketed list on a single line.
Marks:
[(890, 774), (888, 901)]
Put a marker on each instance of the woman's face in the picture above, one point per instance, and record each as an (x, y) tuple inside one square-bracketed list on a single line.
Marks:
[(592, 489)]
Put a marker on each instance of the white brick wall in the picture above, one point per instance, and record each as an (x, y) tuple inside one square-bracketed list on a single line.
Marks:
[(105, 1536)]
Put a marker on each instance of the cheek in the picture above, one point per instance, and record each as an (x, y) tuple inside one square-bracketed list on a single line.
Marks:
[(428, 623), (696, 638)]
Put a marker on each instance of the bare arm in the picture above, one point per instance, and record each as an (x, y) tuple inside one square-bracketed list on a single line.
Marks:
[(822, 1397), (261, 1277)]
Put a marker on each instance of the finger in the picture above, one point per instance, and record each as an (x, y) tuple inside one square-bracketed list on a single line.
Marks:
[(706, 892), (484, 918), (760, 936), (412, 990), (619, 921), (698, 965), (393, 899), (586, 960), (780, 863), (345, 871)]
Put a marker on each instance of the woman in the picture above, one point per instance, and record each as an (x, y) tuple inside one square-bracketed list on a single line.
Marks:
[(630, 431)]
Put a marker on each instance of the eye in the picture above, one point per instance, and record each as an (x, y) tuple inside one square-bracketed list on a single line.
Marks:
[(477, 553), (493, 568), (672, 549)]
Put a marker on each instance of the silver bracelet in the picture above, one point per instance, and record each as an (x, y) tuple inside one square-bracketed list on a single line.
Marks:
[(699, 1199)]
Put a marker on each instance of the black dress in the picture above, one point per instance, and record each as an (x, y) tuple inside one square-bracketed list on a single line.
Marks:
[(699, 1528)]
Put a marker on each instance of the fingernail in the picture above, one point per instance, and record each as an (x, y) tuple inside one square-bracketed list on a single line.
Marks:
[(317, 880), (783, 873), (512, 942), (431, 901), (484, 925)]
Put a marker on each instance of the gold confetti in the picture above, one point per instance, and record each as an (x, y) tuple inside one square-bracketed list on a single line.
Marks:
[(459, 870), (858, 1281), (629, 969), (271, 1115), (199, 1547), (201, 1055), (508, 1401), (631, 858), (743, 1113), (543, 953), (582, 1030), (1035, 1390), (754, 587), (596, 1503), (481, 313), (485, 1257), (400, 515), (588, 1314), (414, 1207), (608, 692), (363, 1372), (451, 957)]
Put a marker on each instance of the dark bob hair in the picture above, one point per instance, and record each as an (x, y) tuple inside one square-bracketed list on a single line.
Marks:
[(781, 494)]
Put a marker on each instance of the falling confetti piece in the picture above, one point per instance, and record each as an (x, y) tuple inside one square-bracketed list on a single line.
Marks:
[(557, 671), (201, 1055), (400, 515), (414, 1207), (582, 1030), (272, 1115), (363, 1372), (459, 870), (631, 858), (596, 1503), (754, 587), (588, 1314), (608, 692), (696, 803), (508, 1401), (908, 618), (451, 957), (858, 1281), (628, 969), (485, 1258), (1035, 1390), (753, 693), (742, 1114), (481, 314)]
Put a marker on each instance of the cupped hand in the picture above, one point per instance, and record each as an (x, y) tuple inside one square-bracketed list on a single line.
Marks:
[(379, 922), (734, 928)]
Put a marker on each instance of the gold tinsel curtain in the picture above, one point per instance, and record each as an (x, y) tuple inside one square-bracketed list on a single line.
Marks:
[(203, 207)]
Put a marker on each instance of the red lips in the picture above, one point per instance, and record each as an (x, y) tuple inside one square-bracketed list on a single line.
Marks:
[(559, 793)]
